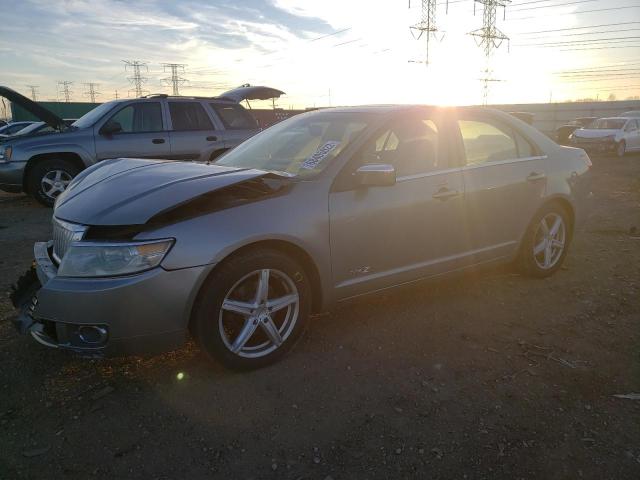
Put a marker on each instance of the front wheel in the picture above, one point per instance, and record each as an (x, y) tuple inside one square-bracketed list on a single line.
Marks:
[(252, 309), (546, 242), (49, 178), (621, 149)]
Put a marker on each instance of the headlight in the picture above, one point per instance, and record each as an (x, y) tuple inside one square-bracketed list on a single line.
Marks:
[(92, 259), (5, 154)]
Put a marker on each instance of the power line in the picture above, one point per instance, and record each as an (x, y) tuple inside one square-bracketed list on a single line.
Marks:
[(552, 6), (587, 33), (65, 84), (137, 80), (175, 80), (581, 28), (581, 11), (572, 42), (34, 92), (91, 91), (598, 48)]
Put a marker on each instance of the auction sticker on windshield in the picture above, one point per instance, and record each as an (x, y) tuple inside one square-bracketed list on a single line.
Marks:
[(314, 160)]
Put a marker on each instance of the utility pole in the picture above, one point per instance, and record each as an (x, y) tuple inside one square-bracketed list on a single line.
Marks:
[(64, 85), (34, 92), (116, 94), (175, 80), (489, 36), (426, 26), (91, 91), (137, 80)]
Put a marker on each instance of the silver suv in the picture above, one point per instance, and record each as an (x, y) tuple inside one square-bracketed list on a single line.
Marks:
[(155, 126)]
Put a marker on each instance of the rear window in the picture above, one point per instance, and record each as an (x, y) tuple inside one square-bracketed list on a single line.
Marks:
[(189, 116), (234, 117)]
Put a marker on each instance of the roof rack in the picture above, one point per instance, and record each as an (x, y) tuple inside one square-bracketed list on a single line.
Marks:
[(155, 95)]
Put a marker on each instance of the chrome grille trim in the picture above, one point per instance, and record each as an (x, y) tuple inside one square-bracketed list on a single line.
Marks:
[(64, 234)]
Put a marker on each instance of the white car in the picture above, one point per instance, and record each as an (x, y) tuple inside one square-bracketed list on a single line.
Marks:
[(614, 134)]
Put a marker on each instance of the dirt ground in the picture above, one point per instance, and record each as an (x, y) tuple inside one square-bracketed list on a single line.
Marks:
[(488, 376)]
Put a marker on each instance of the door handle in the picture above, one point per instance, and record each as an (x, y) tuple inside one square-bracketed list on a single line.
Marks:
[(157, 140), (445, 193), (212, 138), (535, 176)]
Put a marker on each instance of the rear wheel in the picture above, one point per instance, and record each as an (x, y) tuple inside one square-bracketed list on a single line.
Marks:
[(49, 178), (252, 309), (546, 242)]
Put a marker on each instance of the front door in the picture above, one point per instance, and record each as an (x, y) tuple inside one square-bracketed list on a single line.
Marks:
[(504, 182), (385, 235), (142, 135)]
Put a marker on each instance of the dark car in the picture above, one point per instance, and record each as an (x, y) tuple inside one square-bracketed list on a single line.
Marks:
[(563, 132)]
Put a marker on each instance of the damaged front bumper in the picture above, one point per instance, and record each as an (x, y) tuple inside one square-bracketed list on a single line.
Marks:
[(143, 313)]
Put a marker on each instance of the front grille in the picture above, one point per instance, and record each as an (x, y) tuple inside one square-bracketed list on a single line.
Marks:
[(64, 234)]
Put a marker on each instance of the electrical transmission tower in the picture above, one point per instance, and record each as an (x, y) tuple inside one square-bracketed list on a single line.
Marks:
[(34, 92), (175, 80), (489, 37), (427, 25), (137, 80), (91, 91), (66, 91)]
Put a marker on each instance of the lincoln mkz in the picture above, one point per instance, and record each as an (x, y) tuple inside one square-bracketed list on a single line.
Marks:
[(328, 205)]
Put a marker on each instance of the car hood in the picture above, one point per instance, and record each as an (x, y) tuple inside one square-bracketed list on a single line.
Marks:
[(32, 107), (130, 191), (248, 92), (594, 133)]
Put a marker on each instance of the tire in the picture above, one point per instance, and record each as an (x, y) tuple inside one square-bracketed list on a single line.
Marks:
[(48, 179), (220, 332), (540, 255), (621, 149)]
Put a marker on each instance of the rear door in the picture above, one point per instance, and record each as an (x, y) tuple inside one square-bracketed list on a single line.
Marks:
[(239, 124), (194, 134), (504, 181), (385, 235), (143, 134)]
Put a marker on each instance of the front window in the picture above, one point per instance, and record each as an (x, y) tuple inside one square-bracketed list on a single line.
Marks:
[(301, 146), (92, 116), (607, 124), (140, 117)]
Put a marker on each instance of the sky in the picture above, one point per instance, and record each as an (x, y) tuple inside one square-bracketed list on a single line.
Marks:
[(329, 52)]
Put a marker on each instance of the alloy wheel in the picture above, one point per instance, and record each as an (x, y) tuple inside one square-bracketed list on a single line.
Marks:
[(259, 313), (55, 182), (549, 242)]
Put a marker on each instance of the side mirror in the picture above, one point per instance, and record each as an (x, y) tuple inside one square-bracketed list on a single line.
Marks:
[(376, 175), (110, 128)]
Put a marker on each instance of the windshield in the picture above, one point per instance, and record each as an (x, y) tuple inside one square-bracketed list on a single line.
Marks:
[(91, 117), (607, 124), (301, 146)]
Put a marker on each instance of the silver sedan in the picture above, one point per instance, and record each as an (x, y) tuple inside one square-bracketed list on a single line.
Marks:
[(318, 209)]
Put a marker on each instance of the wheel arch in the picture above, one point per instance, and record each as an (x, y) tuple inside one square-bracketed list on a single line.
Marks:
[(283, 246), (72, 157)]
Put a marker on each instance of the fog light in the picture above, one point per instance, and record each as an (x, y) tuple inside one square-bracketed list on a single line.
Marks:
[(92, 335)]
